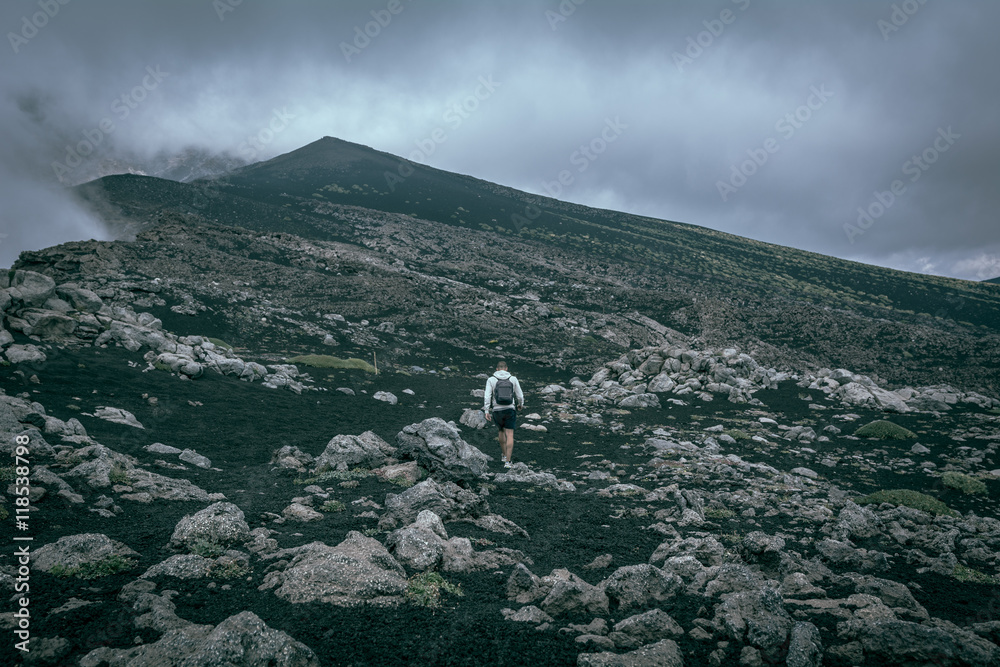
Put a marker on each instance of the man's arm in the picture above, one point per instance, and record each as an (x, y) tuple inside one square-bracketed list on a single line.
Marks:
[(518, 393), (487, 396)]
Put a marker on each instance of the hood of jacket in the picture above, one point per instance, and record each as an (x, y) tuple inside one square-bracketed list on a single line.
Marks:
[(501, 375)]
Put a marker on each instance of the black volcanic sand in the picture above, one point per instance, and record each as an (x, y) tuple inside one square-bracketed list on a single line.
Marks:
[(238, 425)]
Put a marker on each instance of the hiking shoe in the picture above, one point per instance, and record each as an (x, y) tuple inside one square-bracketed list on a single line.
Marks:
[(503, 459), (508, 464)]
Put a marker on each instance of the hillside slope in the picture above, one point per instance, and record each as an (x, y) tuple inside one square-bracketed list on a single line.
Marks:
[(792, 307)]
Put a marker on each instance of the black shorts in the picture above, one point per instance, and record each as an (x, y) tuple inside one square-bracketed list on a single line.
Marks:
[(505, 418)]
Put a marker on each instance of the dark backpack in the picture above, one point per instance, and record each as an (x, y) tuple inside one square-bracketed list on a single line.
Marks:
[(503, 393)]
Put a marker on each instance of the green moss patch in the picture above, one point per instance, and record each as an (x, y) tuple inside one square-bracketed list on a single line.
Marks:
[(332, 506), (103, 568), (884, 430), (964, 483), (425, 589), (327, 361), (908, 498)]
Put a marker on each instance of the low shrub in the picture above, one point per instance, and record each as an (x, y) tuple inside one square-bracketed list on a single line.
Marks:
[(328, 361), (402, 482), (964, 483), (907, 498), (207, 548), (968, 574), (425, 589), (96, 570), (884, 430), (118, 475), (337, 476), (3, 513), (232, 570), (332, 506), (737, 434), (220, 343), (7, 474), (718, 513)]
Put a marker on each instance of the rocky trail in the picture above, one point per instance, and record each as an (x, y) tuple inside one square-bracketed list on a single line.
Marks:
[(197, 504)]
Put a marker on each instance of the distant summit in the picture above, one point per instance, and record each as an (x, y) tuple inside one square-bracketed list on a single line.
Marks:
[(328, 153)]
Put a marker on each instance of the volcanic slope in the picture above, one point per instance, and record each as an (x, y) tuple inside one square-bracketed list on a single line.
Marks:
[(785, 304)]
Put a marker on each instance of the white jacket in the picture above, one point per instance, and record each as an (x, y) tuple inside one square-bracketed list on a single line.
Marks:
[(491, 385)]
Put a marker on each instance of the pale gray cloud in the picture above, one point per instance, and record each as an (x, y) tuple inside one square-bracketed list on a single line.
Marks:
[(701, 94)]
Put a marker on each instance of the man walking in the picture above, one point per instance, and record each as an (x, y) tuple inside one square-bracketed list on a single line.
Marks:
[(503, 393)]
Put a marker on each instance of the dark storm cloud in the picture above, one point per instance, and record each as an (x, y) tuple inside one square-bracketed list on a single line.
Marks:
[(771, 120)]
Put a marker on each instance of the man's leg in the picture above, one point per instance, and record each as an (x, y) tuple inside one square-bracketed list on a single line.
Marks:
[(502, 438), (509, 445)]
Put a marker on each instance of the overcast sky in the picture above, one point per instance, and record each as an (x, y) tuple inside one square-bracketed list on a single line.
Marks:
[(774, 120)]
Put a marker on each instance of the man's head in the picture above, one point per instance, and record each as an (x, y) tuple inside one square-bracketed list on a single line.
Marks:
[(501, 365)]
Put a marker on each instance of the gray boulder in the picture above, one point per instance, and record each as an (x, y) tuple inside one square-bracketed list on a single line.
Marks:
[(645, 628), (637, 586), (349, 451), (448, 500), (805, 648), (386, 397), (195, 459), (243, 639), (220, 523), (663, 653), (473, 418), (161, 487), (892, 593), (292, 457), (895, 642), (160, 448), (181, 566), (419, 546), (359, 570), (755, 617), (29, 289), (528, 614), (707, 550), (117, 416), (855, 394), (438, 446), (661, 384), (640, 401), (81, 299), (24, 354), (857, 522), (100, 461), (759, 547), (521, 473), (77, 550), (570, 594), (460, 557), (49, 324)]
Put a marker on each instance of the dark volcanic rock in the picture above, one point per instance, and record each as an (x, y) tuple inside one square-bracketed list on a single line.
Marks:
[(438, 446)]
